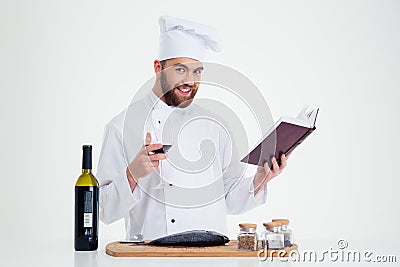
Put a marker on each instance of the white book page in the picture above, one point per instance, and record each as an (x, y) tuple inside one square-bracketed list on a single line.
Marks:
[(308, 115), (296, 121)]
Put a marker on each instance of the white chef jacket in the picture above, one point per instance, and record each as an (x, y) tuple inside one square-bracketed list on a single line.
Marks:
[(188, 201)]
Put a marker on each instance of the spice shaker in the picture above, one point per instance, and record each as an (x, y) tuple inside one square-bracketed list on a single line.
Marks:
[(272, 238), (286, 231), (247, 237)]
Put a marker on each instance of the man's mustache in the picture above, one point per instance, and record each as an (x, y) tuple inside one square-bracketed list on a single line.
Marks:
[(191, 86)]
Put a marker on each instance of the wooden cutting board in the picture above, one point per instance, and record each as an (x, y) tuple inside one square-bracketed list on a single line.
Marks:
[(118, 249)]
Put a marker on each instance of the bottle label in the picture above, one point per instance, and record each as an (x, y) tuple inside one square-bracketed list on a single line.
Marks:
[(275, 241), (88, 209), (87, 219)]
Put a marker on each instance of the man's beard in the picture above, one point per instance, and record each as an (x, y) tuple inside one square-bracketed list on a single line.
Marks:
[(173, 98)]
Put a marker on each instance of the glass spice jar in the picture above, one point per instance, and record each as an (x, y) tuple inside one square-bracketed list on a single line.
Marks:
[(272, 239), (286, 231), (247, 237)]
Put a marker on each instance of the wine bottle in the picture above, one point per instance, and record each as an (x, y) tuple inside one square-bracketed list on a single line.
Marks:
[(86, 205)]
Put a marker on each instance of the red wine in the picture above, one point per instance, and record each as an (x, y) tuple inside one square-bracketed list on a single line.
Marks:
[(164, 149), (86, 206)]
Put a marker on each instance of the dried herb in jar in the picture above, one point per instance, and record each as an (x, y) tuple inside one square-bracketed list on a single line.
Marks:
[(247, 238)]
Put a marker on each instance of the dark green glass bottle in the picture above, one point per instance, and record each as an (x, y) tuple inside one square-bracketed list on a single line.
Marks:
[(86, 205)]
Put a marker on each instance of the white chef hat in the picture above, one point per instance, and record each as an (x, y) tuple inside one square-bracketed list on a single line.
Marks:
[(182, 38)]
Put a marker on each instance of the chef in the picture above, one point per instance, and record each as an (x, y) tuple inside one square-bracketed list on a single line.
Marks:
[(200, 179)]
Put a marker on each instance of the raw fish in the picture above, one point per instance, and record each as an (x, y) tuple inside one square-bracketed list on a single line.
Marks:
[(194, 238)]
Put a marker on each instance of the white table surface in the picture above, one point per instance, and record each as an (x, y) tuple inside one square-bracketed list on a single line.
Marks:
[(60, 252)]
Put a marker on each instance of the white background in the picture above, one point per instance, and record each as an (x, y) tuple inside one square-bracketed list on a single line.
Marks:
[(67, 67)]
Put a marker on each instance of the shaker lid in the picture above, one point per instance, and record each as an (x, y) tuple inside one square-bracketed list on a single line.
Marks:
[(247, 225), (283, 221), (272, 224)]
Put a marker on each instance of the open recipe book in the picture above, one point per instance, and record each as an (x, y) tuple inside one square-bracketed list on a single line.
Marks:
[(286, 134)]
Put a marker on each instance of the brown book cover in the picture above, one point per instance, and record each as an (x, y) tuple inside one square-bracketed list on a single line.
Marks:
[(283, 139)]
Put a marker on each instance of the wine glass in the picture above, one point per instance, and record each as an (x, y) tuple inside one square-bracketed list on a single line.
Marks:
[(167, 140)]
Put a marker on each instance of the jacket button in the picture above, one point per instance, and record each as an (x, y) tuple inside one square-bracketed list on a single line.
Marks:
[(170, 184), (172, 220)]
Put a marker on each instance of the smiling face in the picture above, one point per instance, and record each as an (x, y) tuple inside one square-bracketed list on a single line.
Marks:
[(179, 80)]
